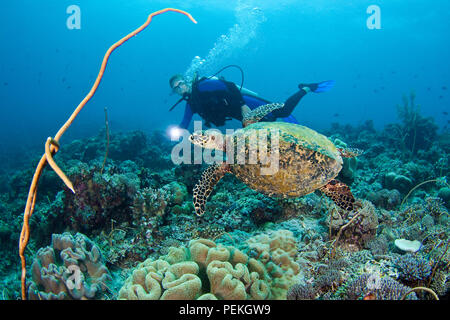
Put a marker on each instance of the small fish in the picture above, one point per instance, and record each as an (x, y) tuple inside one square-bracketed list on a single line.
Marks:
[(68, 87), (336, 115), (445, 112), (429, 89), (5, 83), (63, 80), (375, 90), (440, 97), (444, 88)]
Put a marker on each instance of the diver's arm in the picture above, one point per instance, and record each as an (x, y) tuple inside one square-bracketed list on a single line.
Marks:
[(187, 117)]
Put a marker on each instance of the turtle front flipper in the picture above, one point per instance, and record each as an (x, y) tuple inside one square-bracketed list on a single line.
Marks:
[(259, 113), (350, 152), (210, 177), (340, 193)]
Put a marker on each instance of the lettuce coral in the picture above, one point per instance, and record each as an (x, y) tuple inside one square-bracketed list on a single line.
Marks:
[(206, 270), (72, 268), (277, 251)]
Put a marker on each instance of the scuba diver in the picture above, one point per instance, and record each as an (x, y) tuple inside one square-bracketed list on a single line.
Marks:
[(217, 100)]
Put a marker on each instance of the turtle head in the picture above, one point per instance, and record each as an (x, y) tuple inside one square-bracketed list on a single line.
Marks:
[(208, 139)]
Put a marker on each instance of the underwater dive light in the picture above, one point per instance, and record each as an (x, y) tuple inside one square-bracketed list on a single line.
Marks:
[(175, 133)]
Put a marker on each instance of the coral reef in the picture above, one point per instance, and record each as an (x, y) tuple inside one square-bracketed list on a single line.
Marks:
[(349, 164), (444, 194), (400, 182), (206, 270), (412, 268), (71, 268), (98, 198), (384, 198), (362, 230), (301, 292), (377, 288), (416, 131), (277, 251), (139, 208), (408, 246)]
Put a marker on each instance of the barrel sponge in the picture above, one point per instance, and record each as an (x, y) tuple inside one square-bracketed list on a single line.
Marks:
[(204, 270), (277, 251), (71, 268)]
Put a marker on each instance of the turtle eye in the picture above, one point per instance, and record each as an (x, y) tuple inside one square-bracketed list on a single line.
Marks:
[(213, 138)]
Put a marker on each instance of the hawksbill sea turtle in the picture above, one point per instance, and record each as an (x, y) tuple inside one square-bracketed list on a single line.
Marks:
[(307, 161)]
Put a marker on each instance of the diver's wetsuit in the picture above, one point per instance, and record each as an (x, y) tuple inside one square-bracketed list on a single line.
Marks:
[(218, 100)]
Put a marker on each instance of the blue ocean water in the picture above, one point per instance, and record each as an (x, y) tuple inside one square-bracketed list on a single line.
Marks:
[(376, 229), (46, 68)]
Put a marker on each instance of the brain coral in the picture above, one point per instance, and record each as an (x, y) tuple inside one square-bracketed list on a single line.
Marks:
[(72, 268), (206, 270)]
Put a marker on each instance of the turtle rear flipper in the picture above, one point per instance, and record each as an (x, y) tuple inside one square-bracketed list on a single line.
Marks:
[(210, 177), (340, 193), (350, 152), (259, 113)]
